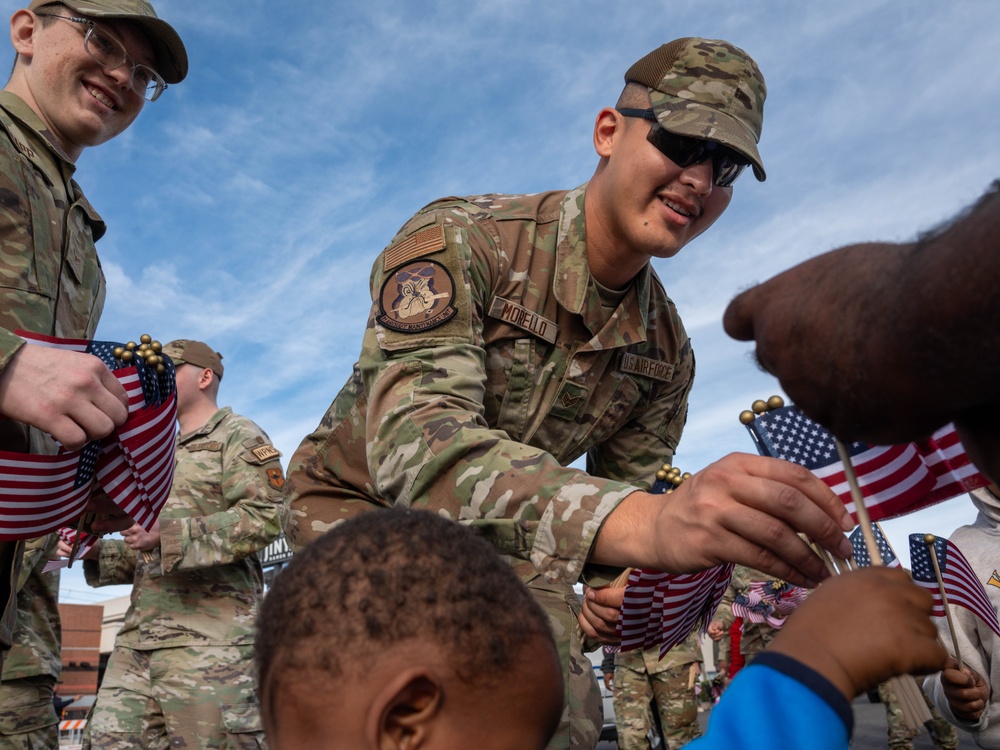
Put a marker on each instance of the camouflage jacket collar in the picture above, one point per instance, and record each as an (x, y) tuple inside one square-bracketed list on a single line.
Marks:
[(208, 427), (572, 284)]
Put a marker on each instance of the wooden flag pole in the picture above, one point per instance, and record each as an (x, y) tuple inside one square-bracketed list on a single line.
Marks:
[(76, 542), (864, 520), (929, 541), (915, 710)]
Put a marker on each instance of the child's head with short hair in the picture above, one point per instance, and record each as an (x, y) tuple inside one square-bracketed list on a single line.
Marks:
[(402, 629)]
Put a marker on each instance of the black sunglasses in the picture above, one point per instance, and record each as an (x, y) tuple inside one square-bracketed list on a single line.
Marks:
[(684, 151)]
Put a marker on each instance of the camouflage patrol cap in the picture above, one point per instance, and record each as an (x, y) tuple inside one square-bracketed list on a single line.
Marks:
[(706, 88), (171, 57), (190, 352)]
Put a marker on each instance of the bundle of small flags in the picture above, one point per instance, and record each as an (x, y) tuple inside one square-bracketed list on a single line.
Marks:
[(661, 609), (768, 601), (133, 465)]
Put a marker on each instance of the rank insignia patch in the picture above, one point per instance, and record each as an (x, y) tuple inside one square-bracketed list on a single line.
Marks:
[(417, 297)]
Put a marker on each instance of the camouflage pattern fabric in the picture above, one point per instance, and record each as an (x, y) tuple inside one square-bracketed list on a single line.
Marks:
[(713, 90), (28, 718), (583, 705), (642, 677), (32, 666), (200, 589), (50, 278), (488, 365), (205, 698), (756, 636), (900, 736)]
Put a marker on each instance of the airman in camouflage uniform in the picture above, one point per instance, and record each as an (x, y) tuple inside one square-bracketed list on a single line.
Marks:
[(756, 636), (182, 668), (512, 334), (28, 719), (900, 735), (642, 680), (50, 278)]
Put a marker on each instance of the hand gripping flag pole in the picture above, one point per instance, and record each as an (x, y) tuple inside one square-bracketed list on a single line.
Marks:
[(915, 711), (904, 478)]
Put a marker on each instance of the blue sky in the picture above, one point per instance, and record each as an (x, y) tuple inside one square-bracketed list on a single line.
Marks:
[(246, 206)]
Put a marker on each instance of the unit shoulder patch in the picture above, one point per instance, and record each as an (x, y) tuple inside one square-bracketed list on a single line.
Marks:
[(276, 478), (417, 297)]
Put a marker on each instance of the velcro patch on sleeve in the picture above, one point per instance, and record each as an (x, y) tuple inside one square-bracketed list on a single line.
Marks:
[(634, 364), (523, 318), (424, 242), (417, 297), (265, 452)]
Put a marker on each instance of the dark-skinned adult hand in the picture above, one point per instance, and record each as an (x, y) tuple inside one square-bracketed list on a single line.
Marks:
[(887, 342)]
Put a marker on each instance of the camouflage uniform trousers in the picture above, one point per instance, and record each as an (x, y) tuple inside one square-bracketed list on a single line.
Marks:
[(28, 718), (674, 697), (192, 697), (583, 713), (943, 734)]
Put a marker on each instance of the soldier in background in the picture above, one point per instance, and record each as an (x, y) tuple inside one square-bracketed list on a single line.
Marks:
[(82, 73), (31, 670), (182, 668), (900, 735), (754, 636), (643, 682), (511, 335)]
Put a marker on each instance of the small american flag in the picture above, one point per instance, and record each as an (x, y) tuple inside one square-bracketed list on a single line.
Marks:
[(861, 556), (768, 601), (68, 536), (894, 479), (134, 465), (960, 582)]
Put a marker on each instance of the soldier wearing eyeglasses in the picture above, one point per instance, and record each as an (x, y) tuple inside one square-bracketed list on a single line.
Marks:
[(510, 335), (83, 71)]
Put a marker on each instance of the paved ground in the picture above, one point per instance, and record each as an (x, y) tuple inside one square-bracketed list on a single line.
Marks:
[(869, 730)]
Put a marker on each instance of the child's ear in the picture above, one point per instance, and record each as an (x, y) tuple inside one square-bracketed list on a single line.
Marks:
[(404, 712)]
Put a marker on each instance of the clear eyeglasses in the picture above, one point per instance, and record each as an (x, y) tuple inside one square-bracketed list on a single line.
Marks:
[(110, 54)]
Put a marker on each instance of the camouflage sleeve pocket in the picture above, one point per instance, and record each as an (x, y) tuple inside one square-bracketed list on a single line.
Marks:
[(242, 719)]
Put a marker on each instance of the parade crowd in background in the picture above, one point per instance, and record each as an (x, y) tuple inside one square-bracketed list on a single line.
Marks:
[(440, 529)]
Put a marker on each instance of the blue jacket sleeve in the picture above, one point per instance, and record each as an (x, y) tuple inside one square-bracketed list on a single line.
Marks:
[(778, 702)]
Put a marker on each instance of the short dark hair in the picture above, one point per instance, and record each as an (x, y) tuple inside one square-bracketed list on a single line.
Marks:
[(395, 575), (635, 96)]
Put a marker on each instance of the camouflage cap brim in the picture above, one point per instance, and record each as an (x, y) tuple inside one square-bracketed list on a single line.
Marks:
[(171, 55), (706, 88)]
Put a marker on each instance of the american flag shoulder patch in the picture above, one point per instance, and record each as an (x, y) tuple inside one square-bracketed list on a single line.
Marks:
[(423, 242)]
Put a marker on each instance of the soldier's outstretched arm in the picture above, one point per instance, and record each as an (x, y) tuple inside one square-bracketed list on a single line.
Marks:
[(743, 509)]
